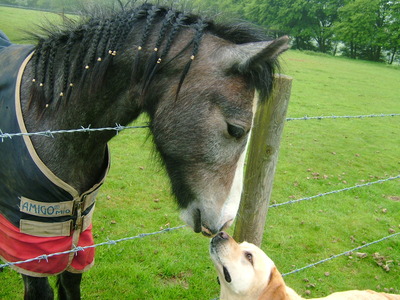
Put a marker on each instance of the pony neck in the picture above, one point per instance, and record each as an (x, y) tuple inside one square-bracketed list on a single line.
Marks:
[(76, 158)]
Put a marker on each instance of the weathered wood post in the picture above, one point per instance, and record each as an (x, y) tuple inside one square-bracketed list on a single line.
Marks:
[(263, 152)]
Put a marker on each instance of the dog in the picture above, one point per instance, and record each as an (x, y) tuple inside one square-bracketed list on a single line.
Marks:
[(245, 272)]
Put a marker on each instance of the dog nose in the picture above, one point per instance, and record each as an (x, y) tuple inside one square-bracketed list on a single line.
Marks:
[(223, 235), (220, 237)]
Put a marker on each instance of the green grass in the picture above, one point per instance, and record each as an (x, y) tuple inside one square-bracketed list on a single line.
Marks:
[(315, 157), (14, 21)]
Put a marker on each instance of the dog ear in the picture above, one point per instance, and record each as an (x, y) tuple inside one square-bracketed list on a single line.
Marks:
[(276, 288)]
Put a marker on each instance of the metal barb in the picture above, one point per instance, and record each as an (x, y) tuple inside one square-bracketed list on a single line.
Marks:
[(44, 256)]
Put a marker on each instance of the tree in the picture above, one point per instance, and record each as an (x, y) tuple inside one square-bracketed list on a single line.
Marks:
[(367, 27), (324, 13), (308, 21), (392, 30)]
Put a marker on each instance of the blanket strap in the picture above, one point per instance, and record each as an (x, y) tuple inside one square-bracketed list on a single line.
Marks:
[(80, 209)]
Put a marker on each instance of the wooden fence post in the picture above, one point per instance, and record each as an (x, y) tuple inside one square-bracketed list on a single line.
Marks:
[(263, 152)]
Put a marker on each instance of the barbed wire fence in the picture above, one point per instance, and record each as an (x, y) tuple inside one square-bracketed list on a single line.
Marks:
[(114, 242), (143, 235), (118, 128)]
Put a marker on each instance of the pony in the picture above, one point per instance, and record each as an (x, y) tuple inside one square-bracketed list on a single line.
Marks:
[(195, 78)]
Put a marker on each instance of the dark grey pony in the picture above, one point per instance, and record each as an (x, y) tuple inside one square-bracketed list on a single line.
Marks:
[(194, 78)]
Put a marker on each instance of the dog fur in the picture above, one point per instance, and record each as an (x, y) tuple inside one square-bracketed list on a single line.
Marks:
[(245, 272)]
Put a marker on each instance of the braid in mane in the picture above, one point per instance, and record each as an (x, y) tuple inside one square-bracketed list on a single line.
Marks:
[(35, 92), (200, 27), (44, 54), (155, 59), (174, 31), (102, 46), (178, 23), (127, 24), (105, 47), (151, 14), (81, 68), (92, 51), (38, 83), (101, 56), (66, 83), (95, 62), (50, 74), (37, 60), (115, 30)]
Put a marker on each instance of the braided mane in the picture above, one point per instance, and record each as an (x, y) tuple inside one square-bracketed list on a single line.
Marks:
[(89, 47)]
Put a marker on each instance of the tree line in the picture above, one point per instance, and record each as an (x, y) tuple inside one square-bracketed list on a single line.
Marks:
[(360, 29)]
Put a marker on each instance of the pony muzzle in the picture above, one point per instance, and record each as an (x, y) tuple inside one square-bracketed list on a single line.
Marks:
[(211, 233), (199, 224)]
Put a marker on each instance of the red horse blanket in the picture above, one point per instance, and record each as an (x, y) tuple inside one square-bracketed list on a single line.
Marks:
[(39, 213)]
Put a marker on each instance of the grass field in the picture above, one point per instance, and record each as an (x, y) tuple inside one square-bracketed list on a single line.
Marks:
[(316, 156)]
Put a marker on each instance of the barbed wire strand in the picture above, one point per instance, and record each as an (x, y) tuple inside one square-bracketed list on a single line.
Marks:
[(51, 133), (336, 191), (77, 249), (342, 117), (341, 254), (118, 127)]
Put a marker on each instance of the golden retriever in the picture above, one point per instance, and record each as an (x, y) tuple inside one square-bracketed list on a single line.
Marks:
[(245, 272)]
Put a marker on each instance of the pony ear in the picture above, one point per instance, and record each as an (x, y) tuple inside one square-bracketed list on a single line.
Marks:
[(261, 52), (246, 57)]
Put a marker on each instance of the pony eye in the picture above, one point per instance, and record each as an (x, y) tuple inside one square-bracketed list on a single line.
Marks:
[(249, 257), (236, 131)]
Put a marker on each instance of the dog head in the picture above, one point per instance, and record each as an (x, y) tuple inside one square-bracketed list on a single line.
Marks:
[(245, 271)]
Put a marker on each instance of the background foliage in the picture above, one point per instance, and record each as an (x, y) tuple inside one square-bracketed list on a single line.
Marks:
[(364, 29)]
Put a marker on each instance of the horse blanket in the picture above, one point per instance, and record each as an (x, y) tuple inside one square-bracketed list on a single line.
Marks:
[(39, 213)]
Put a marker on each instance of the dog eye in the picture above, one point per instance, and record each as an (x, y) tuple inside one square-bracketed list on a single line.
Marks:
[(249, 257), (236, 131)]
